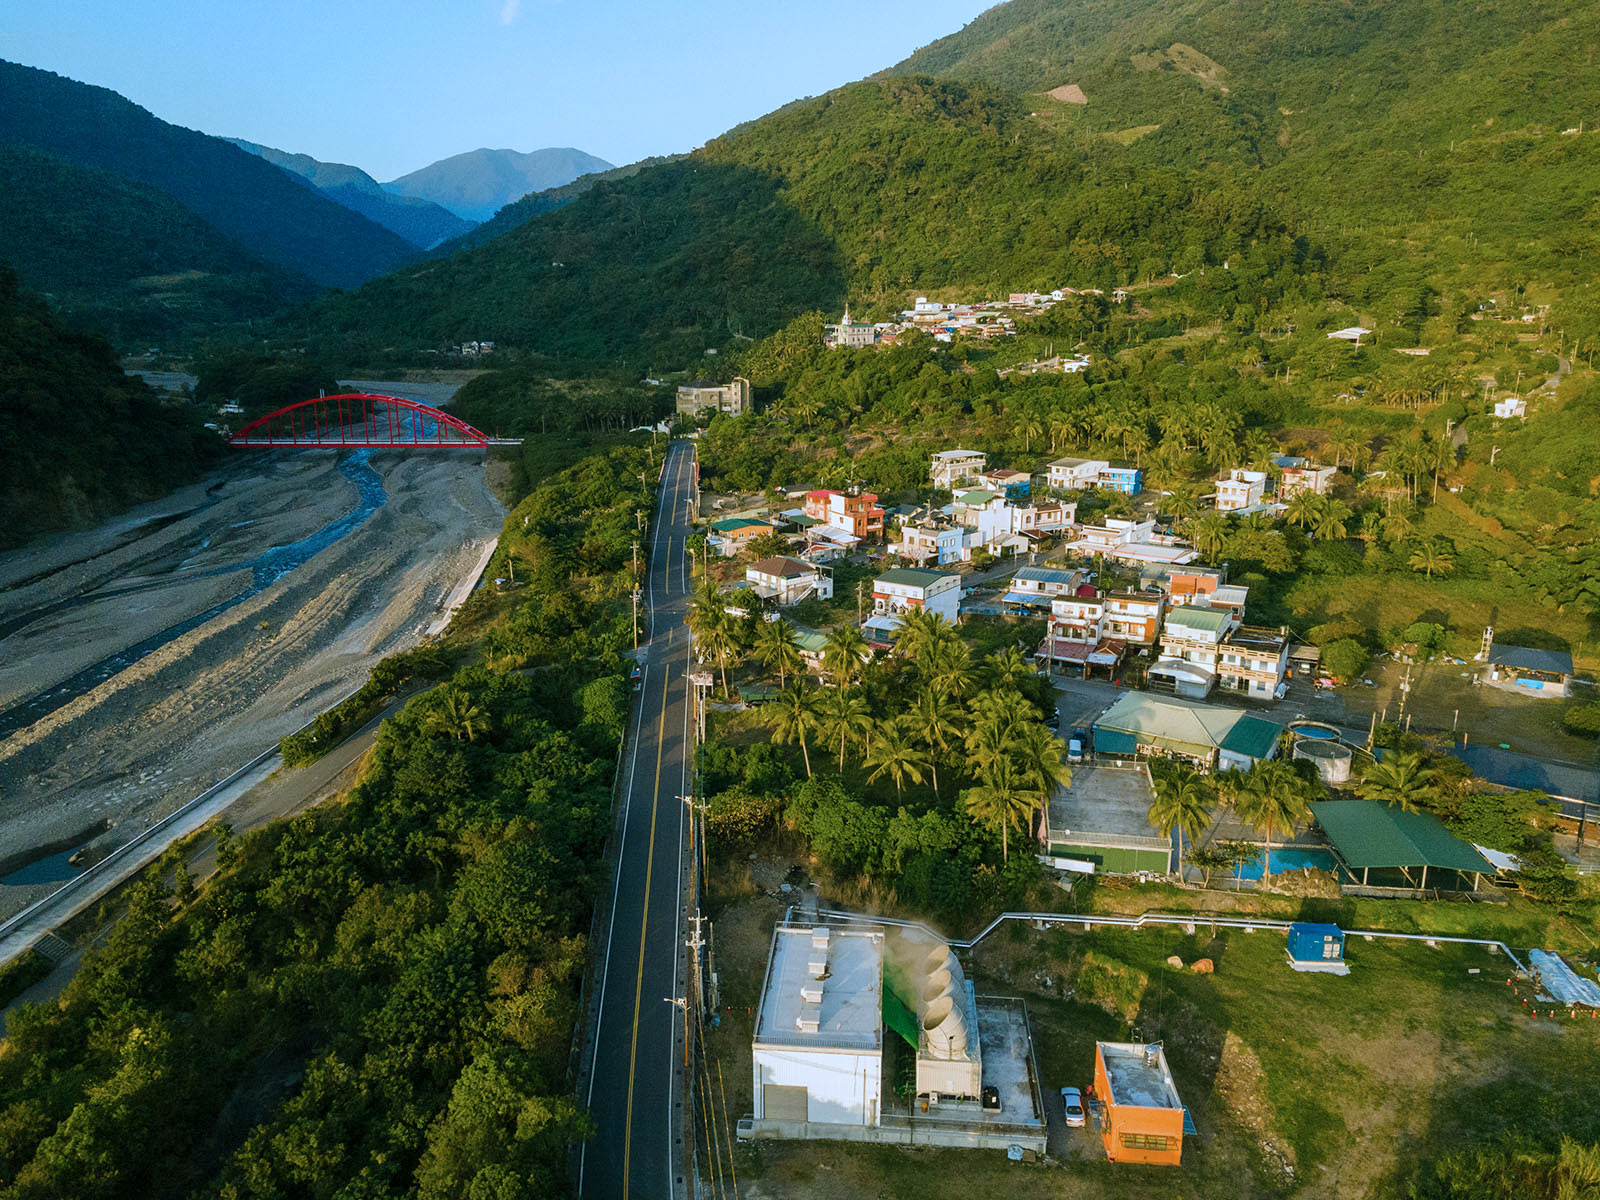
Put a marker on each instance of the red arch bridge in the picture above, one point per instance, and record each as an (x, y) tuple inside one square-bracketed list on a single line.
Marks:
[(361, 420)]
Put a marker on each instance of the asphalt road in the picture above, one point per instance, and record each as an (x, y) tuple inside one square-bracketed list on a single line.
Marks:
[(633, 1085)]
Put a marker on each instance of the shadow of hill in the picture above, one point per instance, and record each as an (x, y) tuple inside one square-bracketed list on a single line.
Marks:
[(680, 257)]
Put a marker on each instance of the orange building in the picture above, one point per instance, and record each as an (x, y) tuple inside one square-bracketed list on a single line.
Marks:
[(1141, 1118), (855, 512)]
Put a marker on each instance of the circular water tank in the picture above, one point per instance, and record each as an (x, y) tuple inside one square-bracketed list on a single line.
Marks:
[(1332, 759)]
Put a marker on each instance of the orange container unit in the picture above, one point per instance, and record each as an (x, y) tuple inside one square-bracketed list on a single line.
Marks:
[(1142, 1119)]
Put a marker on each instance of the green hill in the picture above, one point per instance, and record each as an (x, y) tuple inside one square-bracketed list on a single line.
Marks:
[(1420, 155), (127, 260), (243, 197), (873, 190), (1444, 133), (79, 439)]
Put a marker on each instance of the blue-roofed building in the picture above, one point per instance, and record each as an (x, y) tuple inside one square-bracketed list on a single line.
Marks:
[(1035, 587)]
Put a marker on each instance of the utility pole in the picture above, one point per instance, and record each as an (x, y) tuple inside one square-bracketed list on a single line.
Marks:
[(696, 943), (860, 585)]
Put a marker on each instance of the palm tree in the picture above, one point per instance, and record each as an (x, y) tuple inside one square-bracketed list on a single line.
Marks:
[(1402, 780), (1430, 556), (458, 716), (949, 668), (1302, 507), (778, 649), (845, 652), (1182, 503), (1183, 803), (1209, 532), (937, 721), (1330, 519), (1028, 426), (897, 755), (1042, 756), (848, 715), (1000, 801), (1008, 669), (793, 718), (1271, 798)]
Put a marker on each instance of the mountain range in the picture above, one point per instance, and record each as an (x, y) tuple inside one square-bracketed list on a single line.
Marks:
[(421, 222), (1417, 148), (479, 183)]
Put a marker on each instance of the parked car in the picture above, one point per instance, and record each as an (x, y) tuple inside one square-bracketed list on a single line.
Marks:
[(1077, 746), (1072, 1105), (1053, 719)]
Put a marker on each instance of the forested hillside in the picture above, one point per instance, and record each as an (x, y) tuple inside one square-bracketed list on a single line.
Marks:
[(78, 437), (125, 259), (875, 189), (243, 197), (1446, 150)]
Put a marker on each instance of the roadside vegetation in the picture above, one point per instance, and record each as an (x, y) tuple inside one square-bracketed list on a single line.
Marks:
[(377, 996)]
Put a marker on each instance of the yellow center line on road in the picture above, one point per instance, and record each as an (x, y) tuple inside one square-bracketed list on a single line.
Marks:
[(644, 921)]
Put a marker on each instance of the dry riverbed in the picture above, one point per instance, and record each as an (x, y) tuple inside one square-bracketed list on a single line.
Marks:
[(155, 733)]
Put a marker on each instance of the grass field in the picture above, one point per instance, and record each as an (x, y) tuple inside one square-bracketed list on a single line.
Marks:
[(1301, 1085)]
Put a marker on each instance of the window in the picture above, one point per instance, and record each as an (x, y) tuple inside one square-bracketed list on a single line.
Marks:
[(1144, 1141)]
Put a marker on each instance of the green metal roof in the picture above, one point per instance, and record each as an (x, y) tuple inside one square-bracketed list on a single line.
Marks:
[(808, 640), (978, 497), (912, 577), (1252, 736), (1194, 616), (1369, 834), (730, 524), (1189, 728)]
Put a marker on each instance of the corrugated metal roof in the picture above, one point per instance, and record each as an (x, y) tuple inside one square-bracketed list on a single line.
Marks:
[(1252, 736), (1369, 834), (911, 577), (1194, 616), (1058, 575), (1160, 719), (1526, 658)]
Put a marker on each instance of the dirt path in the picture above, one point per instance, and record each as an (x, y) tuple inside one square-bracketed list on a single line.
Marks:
[(157, 733)]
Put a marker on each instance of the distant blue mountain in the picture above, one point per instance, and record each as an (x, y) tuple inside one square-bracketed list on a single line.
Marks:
[(479, 183)]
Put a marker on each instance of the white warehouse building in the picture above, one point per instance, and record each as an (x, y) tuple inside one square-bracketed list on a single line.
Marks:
[(818, 1047)]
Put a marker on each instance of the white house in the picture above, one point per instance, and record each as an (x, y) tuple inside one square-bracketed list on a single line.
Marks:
[(1241, 489), (1038, 586), (952, 468), (985, 511), (1253, 661), (1044, 517), (902, 588), (1308, 477), (786, 581), (1068, 473), (932, 539), (1191, 644), (1131, 542), (817, 1053), (1511, 406)]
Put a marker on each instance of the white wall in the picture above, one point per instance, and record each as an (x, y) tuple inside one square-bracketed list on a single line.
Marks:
[(842, 1088)]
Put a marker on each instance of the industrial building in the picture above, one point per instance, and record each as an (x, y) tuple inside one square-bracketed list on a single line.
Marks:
[(1138, 1111), (847, 1006)]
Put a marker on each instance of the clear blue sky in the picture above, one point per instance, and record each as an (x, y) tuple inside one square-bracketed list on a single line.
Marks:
[(392, 85)]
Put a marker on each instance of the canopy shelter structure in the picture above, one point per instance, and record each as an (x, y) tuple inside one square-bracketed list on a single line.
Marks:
[(1379, 846)]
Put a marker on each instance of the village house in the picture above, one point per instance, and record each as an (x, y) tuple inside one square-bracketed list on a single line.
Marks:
[(1240, 489), (900, 589), (955, 468), (1036, 587), (1254, 661), (1134, 617), (856, 513), (1531, 672), (1144, 725), (705, 396), (1038, 521), (1131, 542), (729, 535), (1510, 407), (933, 538), (1306, 478), (1191, 642), (1195, 584), (1013, 485), (1075, 641), (988, 514), (1120, 477), (787, 581), (1067, 474)]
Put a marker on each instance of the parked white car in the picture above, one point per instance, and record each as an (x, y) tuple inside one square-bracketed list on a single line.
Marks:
[(1072, 1104)]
